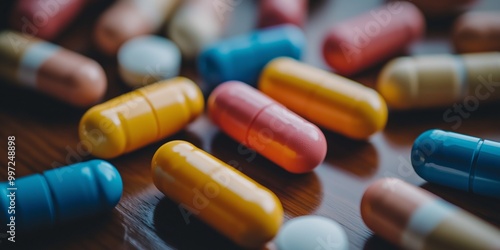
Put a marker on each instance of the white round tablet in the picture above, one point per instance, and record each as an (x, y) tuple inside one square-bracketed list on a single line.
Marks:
[(148, 59), (311, 232)]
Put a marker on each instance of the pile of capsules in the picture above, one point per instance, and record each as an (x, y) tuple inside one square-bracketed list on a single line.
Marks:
[(266, 99)]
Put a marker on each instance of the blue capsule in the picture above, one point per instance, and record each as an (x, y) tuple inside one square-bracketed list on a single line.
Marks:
[(242, 58), (60, 195), (458, 161)]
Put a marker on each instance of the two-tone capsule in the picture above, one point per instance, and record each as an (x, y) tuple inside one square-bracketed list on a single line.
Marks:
[(413, 218), (145, 115), (242, 58), (262, 124), (59, 196), (458, 161), (235, 205), (440, 80), (477, 31), (277, 12), (48, 68), (326, 99)]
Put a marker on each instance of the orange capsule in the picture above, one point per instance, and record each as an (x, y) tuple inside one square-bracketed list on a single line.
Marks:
[(477, 31)]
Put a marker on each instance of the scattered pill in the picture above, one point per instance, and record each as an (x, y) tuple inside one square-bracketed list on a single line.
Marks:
[(147, 59), (326, 99), (262, 124), (235, 205), (370, 38), (277, 12), (437, 10), (242, 58), (192, 35), (61, 195), (413, 218), (477, 31), (48, 68), (312, 232), (143, 116), (127, 19), (458, 161), (440, 80)]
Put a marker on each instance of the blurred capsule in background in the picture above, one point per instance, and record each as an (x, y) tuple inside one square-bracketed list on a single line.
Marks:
[(45, 18), (224, 198), (53, 70), (127, 19), (413, 218), (459, 161), (326, 99), (477, 31), (442, 9), (440, 80), (276, 12), (62, 195), (243, 57), (147, 59), (262, 124), (143, 116), (372, 37), (194, 26)]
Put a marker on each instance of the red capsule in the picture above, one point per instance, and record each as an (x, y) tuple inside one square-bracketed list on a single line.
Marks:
[(276, 12)]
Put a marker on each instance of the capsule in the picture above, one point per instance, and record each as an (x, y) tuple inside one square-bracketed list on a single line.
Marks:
[(326, 99), (440, 80), (59, 196), (277, 12), (242, 58), (262, 124), (143, 116), (127, 19), (232, 203), (413, 218), (48, 68), (370, 38), (191, 34), (477, 31), (436, 10), (458, 161)]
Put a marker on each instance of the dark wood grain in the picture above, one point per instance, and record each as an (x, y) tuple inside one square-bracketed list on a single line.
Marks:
[(46, 137)]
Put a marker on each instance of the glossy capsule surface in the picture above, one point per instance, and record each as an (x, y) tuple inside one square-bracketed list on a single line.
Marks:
[(477, 31), (262, 124), (232, 203), (61, 195), (145, 115), (326, 99), (429, 81), (458, 161), (372, 37), (53, 70), (413, 218), (276, 12), (242, 58)]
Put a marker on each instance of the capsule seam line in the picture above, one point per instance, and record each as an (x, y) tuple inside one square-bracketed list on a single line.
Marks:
[(472, 173), (157, 121), (54, 210), (253, 121)]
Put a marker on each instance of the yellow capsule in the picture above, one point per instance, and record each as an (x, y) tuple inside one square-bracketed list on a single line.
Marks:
[(235, 205), (145, 115), (326, 99)]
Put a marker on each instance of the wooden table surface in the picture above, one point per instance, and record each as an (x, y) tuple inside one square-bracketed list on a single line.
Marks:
[(46, 137)]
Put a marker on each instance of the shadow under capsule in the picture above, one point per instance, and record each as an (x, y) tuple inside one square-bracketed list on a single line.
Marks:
[(374, 242)]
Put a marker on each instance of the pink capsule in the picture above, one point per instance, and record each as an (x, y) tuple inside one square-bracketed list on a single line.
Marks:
[(276, 12)]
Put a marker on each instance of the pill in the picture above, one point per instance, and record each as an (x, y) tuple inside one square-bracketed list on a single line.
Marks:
[(413, 218), (372, 37), (59, 196), (264, 125), (44, 19), (312, 232), (326, 99), (147, 59), (276, 12), (440, 80), (192, 35), (227, 200), (143, 116), (50, 69), (438, 10), (127, 19), (242, 58), (477, 31), (458, 161)]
